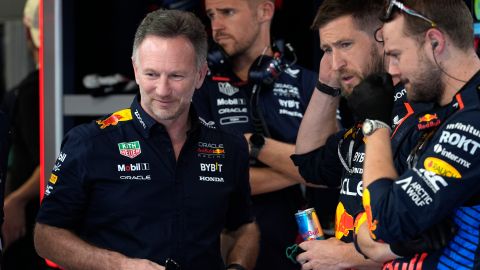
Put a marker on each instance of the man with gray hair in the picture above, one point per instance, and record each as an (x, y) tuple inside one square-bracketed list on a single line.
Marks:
[(151, 186)]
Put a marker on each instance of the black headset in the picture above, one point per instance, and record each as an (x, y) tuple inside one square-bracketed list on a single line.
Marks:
[(265, 69)]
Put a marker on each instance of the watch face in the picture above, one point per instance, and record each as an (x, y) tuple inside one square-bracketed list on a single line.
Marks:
[(367, 127), (257, 139)]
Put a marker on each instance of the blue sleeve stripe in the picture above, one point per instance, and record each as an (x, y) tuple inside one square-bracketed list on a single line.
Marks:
[(448, 263)]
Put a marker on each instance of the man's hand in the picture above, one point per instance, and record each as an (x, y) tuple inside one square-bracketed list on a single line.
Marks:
[(14, 226), (323, 254), (332, 254), (325, 74), (373, 98)]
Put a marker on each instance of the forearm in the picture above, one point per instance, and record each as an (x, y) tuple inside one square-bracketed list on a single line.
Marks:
[(318, 123), (333, 254), (355, 260), (246, 246), (376, 251), (378, 158), (70, 252), (276, 155), (264, 180), (30, 189)]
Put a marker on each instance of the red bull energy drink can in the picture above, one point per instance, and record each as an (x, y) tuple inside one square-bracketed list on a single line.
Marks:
[(308, 225)]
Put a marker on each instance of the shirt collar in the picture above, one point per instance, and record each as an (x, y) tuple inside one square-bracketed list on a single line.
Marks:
[(144, 122)]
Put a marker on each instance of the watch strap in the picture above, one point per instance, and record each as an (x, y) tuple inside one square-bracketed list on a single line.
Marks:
[(326, 89)]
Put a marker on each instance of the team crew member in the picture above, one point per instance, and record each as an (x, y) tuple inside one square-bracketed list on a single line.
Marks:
[(270, 106), (324, 156), (430, 46), (151, 185)]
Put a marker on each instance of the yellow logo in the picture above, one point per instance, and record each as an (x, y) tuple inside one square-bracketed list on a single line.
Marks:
[(440, 167), (53, 178), (112, 120), (372, 224)]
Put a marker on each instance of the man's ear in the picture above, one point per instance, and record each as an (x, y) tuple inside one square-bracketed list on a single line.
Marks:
[(436, 40), (265, 11)]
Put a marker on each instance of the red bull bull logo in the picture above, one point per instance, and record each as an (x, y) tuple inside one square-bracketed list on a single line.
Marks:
[(344, 222), (372, 224), (115, 118), (428, 121)]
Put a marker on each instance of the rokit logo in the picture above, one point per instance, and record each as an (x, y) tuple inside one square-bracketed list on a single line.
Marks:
[(460, 141), (135, 167)]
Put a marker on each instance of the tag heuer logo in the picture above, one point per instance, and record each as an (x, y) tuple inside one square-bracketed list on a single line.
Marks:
[(130, 149), (227, 89)]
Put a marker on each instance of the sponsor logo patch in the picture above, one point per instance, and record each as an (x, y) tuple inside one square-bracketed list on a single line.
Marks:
[(415, 191), (211, 179), (233, 120), (428, 121), (292, 72), (344, 222), (139, 118), (290, 104), (400, 94), (447, 154), (465, 127), (61, 158), (130, 149), (440, 167), (460, 141), (232, 110), (210, 150), (115, 118), (211, 167), (345, 188), (231, 101), (135, 167), (290, 113), (431, 179), (227, 89), (286, 90), (136, 177), (53, 179), (209, 124)]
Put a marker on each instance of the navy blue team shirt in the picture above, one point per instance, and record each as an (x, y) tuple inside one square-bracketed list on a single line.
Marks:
[(117, 185), (339, 162), (442, 182), (226, 102)]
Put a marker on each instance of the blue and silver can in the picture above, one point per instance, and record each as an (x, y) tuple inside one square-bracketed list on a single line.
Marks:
[(308, 225)]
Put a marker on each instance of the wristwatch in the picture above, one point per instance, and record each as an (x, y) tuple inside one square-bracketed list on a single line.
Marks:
[(326, 89), (369, 126), (256, 142)]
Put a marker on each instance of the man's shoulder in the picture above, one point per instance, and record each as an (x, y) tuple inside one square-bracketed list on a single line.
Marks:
[(103, 126)]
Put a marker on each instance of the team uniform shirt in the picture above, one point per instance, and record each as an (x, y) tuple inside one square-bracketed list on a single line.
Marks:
[(118, 185), (340, 163), (443, 182), (228, 103)]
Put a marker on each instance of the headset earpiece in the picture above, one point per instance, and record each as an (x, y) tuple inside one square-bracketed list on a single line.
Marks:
[(217, 59), (434, 44)]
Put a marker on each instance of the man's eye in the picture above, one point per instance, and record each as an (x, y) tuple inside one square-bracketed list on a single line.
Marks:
[(327, 50)]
